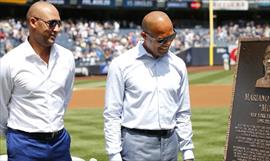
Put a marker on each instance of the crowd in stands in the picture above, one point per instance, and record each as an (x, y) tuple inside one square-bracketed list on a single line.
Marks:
[(99, 42)]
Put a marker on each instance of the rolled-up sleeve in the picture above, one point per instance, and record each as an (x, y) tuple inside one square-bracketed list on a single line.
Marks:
[(6, 87), (183, 122), (113, 110)]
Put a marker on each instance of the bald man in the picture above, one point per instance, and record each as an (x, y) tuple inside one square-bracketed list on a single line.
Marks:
[(35, 84), (147, 106)]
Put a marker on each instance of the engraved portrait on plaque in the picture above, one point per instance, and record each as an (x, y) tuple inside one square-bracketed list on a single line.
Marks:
[(264, 82)]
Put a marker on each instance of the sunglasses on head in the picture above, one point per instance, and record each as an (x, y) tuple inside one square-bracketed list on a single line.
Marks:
[(51, 23), (165, 39)]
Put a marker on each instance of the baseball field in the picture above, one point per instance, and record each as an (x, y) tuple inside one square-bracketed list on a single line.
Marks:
[(210, 90)]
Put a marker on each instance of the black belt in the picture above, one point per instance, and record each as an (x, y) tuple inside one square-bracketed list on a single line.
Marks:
[(151, 132), (40, 135)]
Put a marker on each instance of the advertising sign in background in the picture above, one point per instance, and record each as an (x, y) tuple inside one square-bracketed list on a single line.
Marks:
[(140, 3), (14, 1)]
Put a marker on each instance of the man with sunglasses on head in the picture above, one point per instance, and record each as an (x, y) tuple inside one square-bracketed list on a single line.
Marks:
[(147, 105), (36, 80)]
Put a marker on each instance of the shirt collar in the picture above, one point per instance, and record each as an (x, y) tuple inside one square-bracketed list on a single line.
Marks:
[(29, 51), (142, 52)]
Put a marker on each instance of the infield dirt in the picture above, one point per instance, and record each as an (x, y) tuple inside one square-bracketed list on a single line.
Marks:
[(201, 95)]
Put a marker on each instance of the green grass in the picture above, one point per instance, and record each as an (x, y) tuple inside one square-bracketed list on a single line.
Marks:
[(89, 83), (205, 77), (209, 130), (86, 129), (211, 77)]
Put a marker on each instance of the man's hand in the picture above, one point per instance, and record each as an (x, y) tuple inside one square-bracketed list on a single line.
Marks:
[(115, 157)]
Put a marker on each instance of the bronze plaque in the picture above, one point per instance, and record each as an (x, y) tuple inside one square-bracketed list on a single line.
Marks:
[(248, 136)]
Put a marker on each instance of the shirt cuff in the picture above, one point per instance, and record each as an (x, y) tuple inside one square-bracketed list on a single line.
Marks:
[(115, 157), (3, 131), (188, 154)]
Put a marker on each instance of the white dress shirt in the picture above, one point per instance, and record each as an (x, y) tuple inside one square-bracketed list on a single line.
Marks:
[(33, 94), (147, 93)]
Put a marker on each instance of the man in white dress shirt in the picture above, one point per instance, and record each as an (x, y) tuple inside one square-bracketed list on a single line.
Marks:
[(147, 105), (36, 80)]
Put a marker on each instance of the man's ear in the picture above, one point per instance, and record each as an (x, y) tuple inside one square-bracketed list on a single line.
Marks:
[(143, 34), (32, 22)]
